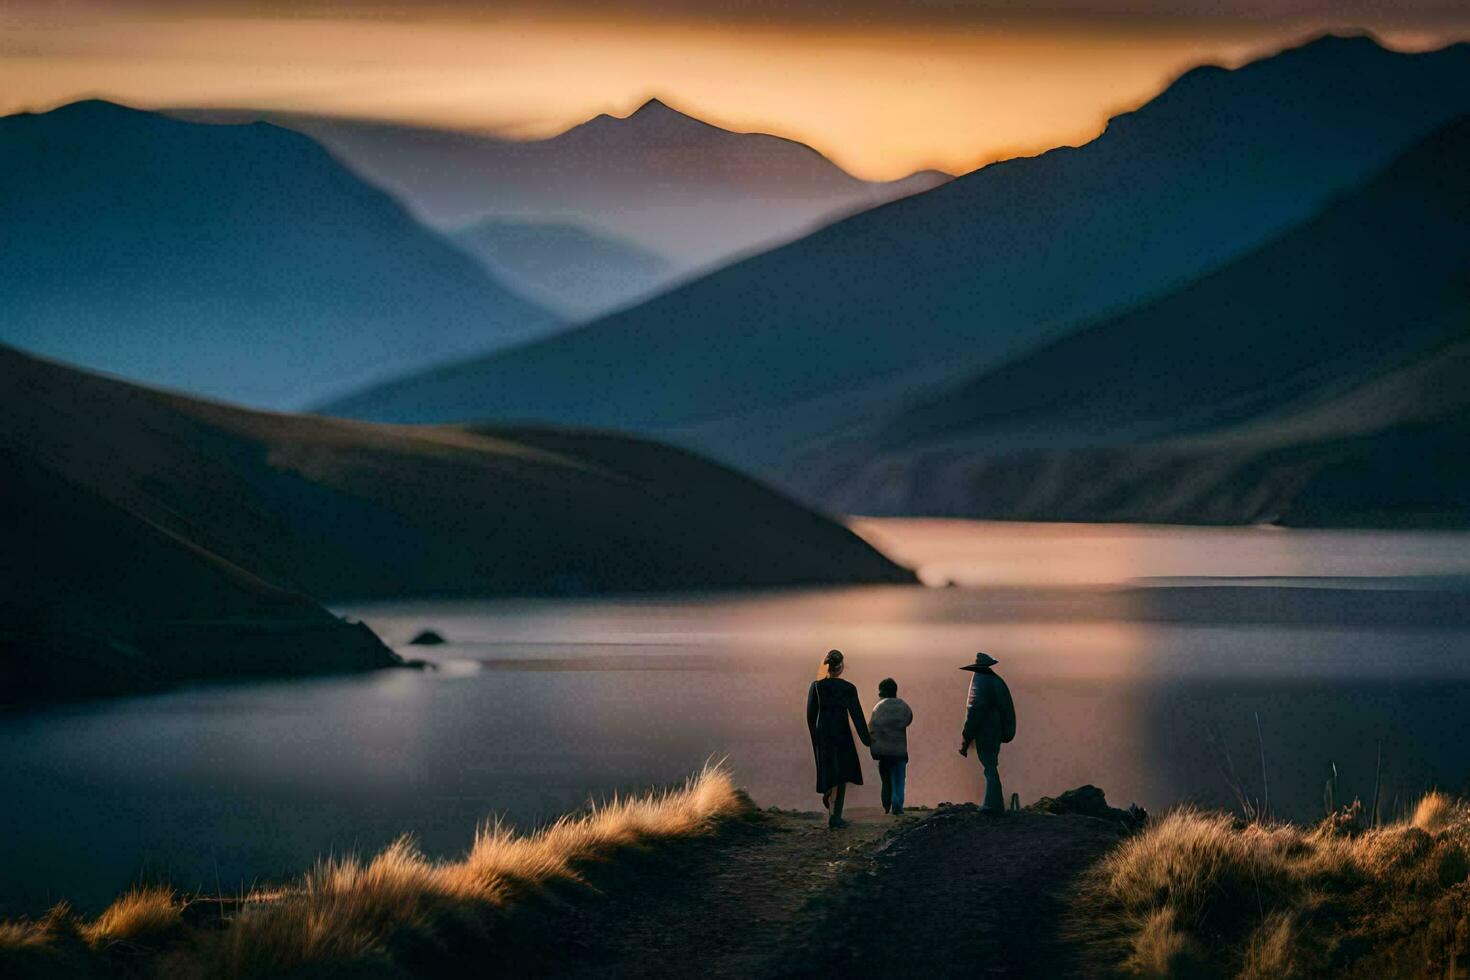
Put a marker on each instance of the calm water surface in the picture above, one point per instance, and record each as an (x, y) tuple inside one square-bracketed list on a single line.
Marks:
[(1139, 658)]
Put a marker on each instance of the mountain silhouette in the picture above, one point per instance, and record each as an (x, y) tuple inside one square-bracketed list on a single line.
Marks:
[(573, 271), (1324, 378), (239, 262), (662, 179), (757, 360)]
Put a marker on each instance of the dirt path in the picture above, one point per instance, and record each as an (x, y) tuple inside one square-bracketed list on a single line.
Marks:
[(940, 893), (723, 910), (961, 894)]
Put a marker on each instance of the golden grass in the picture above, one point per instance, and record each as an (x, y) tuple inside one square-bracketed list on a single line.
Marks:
[(36, 935), (351, 916), (1204, 894), (143, 915), (1435, 813)]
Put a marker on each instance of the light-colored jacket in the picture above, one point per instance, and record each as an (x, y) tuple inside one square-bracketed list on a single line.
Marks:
[(891, 716)]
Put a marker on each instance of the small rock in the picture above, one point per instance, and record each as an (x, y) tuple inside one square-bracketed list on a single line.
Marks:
[(427, 638), (1089, 801)]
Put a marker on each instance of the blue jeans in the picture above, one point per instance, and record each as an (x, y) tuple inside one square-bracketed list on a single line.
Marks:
[(989, 761), (892, 772)]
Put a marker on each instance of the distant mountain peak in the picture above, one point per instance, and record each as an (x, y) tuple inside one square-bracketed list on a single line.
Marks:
[(656, 114), (86, 114), (1363, 43), (654, 119), (1334, 45), (89, 107), (1191, 97), (655, 107), (1360, 39)]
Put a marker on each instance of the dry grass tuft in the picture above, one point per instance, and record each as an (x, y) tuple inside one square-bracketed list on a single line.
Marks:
[(1159, 948), (397, 912), (62, 944), (1435, 813), (145, 916), (1270, 953), (1204, 894), (34, 934)]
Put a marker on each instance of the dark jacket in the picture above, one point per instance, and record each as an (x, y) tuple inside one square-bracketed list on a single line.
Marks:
[(830, 704), (990, 715)]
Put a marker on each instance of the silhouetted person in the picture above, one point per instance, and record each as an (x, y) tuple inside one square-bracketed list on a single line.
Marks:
[(830, 702), (889, 729), (990, 719)]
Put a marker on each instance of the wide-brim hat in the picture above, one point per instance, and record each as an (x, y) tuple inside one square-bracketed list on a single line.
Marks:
[(981, 660)]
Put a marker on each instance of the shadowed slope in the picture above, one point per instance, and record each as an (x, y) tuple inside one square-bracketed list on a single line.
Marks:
[(1378, 274), (567, 268), (1323, 379), (98, 600), (343, 509), (241, 262)]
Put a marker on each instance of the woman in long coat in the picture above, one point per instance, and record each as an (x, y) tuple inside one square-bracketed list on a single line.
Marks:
[(830, 702)]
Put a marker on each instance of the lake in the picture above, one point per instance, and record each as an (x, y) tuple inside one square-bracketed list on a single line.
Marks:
[(1153, 662)]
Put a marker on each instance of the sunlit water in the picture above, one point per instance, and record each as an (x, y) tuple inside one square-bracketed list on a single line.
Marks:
[(1120, 679)]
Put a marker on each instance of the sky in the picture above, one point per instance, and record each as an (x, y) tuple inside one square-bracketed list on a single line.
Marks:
[(883, 88)]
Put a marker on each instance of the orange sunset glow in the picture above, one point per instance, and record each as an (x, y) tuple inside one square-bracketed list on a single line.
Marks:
[(879, 96)]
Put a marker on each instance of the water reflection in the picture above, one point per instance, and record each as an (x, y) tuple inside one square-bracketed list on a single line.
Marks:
[(1145, 692), (990, 553)]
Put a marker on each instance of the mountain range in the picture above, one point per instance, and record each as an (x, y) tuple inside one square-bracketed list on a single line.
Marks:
[(1324, 378), (238, 262), (766, 361), (659, 178)]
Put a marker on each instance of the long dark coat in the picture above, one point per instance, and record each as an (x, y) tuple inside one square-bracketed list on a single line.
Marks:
[(830, 702)]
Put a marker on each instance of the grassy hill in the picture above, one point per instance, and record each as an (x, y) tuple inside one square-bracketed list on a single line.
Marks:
[(339, 509)]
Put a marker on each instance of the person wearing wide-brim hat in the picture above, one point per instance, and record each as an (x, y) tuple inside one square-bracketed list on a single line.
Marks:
[(990, 721)]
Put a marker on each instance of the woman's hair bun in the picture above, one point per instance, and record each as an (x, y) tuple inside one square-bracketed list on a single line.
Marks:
[(832, 657)]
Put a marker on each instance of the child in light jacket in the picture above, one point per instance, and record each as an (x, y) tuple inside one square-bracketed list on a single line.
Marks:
[(888, 726)]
